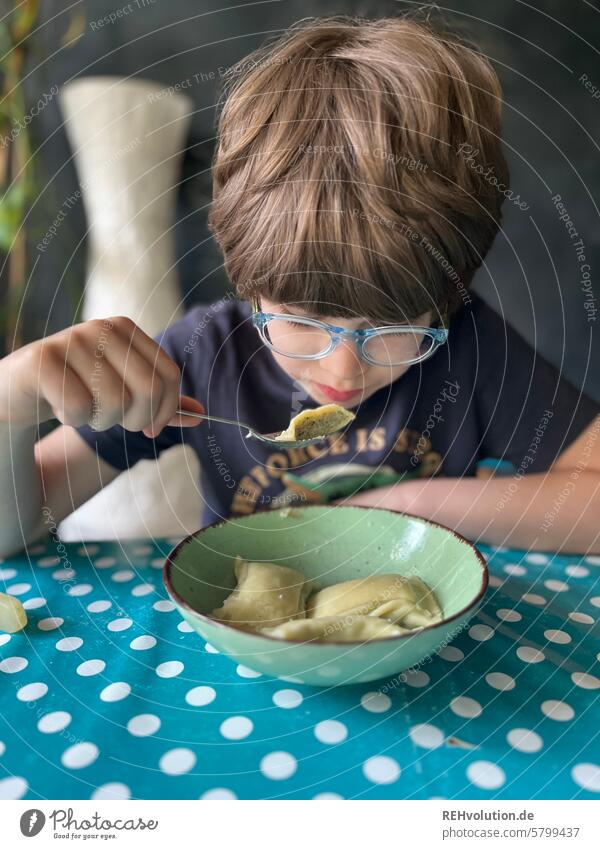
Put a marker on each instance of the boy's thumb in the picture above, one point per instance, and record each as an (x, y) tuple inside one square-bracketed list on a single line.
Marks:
[(187, 403)]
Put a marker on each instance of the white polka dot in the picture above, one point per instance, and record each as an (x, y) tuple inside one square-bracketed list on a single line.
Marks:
[(536, 559), (466, 707), (88, 550), (530, 655), (7, 574), (157, 562), (143, 550), (51, 623), (582, 618), (585, 681), (577, 571), (514, 569), (595, 600), (278, 766), (211, 649), (4, 639), (55, 721), (451, 653), (495, 581), (169, 669), (559, 637), (381, 770), (287, 699), (18, 589), (122, 576), (99, 606), (560, 711), (524, 740), (91, 667), (10, 665), (508, 615), (64, 574), (143, 725), (416, 678), (593, 559), (218, 794), (143, 643), (533, 598), (185, 627), (586, 776), (46, 562), (331, 731), (246, 672), (556, 586), (121, 624), (327, 797), (113, 790), (486, 775), (34, 603), (104, 562), (500, 681), (79, 756), (142, 590), (2, 748), (115, 692), (69, 644), (481, 633), (177, 761), (31, 692), (80, 589), (376, 702), (426, 736), (14, 787), (164, 606), (200, 696), (236, 727)]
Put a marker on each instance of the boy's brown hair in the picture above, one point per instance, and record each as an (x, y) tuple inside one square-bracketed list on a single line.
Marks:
[(341, 182)]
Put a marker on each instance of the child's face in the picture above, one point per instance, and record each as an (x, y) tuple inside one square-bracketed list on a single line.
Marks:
[(342, 377)]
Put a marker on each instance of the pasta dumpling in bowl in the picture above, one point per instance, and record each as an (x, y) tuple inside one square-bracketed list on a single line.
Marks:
[(265, 596)]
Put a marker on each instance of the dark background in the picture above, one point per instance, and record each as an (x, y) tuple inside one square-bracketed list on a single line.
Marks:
[(551, 127)]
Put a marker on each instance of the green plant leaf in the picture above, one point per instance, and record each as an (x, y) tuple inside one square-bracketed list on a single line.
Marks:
[(12, 207)]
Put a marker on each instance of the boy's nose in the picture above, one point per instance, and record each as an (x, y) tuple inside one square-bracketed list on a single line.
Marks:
[(344, 363)]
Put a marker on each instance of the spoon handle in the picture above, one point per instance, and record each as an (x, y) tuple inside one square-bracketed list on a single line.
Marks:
[(213, 418)]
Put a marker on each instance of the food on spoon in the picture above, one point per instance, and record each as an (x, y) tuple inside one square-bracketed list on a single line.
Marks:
[(12, 614), (407, 602), (266, 595), (337, 629), (314, 423)]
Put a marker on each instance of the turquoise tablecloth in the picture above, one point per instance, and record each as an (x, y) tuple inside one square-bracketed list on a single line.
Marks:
[(107, 694)]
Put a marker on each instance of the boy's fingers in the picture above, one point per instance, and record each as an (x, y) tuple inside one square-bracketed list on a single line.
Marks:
[(185, 403)]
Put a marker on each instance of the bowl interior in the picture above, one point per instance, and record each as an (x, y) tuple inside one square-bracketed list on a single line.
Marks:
[(328, 545)]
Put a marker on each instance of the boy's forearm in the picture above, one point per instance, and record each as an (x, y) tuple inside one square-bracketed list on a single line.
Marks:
[(547, 512), (20, 488)]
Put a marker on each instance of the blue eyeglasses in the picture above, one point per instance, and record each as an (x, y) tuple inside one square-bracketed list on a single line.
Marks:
[(309, 339)]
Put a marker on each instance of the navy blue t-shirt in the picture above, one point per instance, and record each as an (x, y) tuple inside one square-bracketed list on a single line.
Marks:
[(487, 393)]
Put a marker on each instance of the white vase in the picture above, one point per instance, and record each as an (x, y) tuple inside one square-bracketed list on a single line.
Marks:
[(128, 138)]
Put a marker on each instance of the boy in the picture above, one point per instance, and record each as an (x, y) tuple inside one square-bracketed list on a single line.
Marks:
[(351, 222)]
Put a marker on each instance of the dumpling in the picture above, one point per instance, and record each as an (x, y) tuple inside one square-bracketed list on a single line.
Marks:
[(405, 601), (319, 422), (266, 595), (337, 629)]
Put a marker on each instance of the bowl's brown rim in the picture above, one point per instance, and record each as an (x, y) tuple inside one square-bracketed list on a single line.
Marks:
[(169, 562)]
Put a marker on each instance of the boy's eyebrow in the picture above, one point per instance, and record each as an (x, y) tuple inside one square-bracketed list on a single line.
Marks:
[(307, 314)]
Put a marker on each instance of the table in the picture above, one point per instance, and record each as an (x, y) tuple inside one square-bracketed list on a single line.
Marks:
[(108, 694)]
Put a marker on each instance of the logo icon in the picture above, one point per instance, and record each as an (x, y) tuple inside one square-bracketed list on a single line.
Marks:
[(32, 822)]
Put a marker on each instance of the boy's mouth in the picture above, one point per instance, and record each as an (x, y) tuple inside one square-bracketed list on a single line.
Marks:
[(335, 394)]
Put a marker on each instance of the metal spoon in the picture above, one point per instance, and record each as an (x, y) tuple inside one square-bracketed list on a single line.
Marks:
[(268, 438)]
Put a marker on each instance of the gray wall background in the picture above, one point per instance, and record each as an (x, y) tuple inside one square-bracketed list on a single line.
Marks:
[(551, 130)]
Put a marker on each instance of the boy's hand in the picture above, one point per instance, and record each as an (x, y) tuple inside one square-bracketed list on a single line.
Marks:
[(102, 372)]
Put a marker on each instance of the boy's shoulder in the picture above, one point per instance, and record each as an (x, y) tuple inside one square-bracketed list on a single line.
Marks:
[(207, 327)]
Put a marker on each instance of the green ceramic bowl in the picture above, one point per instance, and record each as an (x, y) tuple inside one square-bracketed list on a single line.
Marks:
[(328, 544)]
